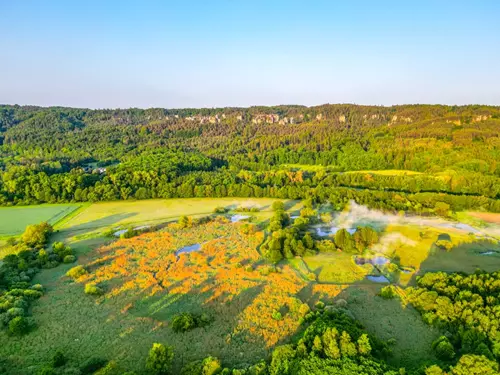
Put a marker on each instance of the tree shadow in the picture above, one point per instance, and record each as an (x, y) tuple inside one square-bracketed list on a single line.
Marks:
[(219, 337), (102, 222)]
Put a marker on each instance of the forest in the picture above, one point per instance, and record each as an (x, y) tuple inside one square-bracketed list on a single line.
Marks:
[(436, 154)]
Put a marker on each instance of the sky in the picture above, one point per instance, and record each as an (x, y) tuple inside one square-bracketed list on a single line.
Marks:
[(187, 53)]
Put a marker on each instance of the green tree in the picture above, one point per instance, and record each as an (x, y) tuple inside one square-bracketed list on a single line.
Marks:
[(347, 347), (159, 361), (470, 364), (37, 235), (343, 240), (364, 347), (330, 344), (281, 360)]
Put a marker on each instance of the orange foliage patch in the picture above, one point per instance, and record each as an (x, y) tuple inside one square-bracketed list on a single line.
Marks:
[(223, 269)]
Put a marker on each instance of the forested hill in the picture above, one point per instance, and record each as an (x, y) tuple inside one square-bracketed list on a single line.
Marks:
[(65, 154)]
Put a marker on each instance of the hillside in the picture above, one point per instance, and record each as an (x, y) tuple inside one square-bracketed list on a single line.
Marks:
[(57, 155)]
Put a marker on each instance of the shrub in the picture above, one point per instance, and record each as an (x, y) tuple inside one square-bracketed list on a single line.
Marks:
[(58, 359), (19, 326), (32, 294), (91, 365), (211, 366), (93, 290), (61, 250), (69, 259), (443, 348), (220, 210), (388, 292), (183, 322), (76, 272), (38, 287), (276, 315), (159, 359), (37, 235), (278, 206), (15, 311)]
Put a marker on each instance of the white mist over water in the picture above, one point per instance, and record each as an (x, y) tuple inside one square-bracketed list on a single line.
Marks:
[(358, 215)]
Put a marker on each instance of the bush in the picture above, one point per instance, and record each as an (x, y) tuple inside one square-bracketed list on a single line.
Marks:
[(19, 326), (220, 210), (183, 322), (15, 311), (211, 366), (91, 365), (58, 359), (61, 250), (76, 272), (278, 206), (388, 292), (93, 290), (32, 294), (69, 259), (443, 348), (159, 359), (38, 287), (37, 235)]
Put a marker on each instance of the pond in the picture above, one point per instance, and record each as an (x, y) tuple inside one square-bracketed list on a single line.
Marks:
[(489, 252), (122, 231), (407, 270), (327, 231), (188, 249), (378, 279), (236, 218)]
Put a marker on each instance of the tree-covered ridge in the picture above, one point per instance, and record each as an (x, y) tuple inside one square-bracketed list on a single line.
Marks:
[(54, 154)]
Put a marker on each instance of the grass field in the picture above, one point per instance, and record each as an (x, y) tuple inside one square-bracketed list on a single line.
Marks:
[(15, 219), (389, 319), (114, 214), (336, 268)]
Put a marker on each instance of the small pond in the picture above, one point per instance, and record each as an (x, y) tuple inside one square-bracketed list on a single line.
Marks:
[(122, 231), (188, 249), (378, 279), (327, 231), (236, 218), (406, 270), (489, 252)]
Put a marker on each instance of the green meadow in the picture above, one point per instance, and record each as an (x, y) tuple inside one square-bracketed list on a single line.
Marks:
[(15, 219)]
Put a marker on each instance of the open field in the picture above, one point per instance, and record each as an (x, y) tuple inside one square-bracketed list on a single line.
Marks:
[(390, 319), (338, 268), (15, 219), (122, 213)]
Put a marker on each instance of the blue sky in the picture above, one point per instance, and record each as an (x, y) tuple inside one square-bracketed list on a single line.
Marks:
[(107, 54)]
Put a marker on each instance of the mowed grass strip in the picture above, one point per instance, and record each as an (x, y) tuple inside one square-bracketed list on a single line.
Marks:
[(13, 220)]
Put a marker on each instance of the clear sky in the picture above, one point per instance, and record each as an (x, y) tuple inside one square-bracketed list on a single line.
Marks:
[(206, 53)]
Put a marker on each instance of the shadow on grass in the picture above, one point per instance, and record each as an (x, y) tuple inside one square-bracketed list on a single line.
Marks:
[(102, 222)]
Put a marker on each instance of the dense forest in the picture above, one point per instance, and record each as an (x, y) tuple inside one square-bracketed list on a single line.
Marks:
[(451, 154)]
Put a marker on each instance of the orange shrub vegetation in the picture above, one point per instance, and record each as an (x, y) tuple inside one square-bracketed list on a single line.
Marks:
[(326, 291), (270, 310), (278, 294)]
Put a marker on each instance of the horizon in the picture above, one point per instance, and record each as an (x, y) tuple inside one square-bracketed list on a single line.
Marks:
[(235, 54), (252, 106)]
